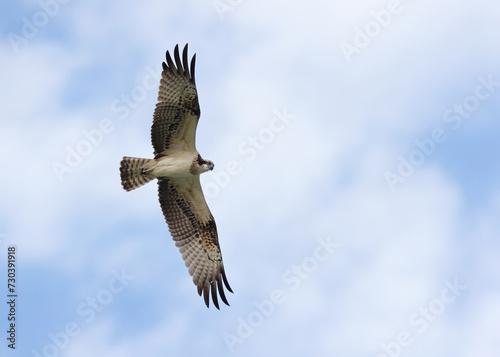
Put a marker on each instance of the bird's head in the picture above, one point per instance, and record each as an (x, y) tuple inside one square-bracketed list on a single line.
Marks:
[(209, 165), (204, 165)]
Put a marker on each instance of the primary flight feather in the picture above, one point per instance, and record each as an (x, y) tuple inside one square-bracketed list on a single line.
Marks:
[(177, 165)]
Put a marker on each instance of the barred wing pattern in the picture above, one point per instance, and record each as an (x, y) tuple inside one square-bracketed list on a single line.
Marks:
[(193, 229), (177, 112)]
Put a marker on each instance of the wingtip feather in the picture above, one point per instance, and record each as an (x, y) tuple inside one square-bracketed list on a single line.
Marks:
[(213, 289), (221, 290), (223, 273), (206, 294), (193, 61), (178, 60), (181, 65), (185, 61)]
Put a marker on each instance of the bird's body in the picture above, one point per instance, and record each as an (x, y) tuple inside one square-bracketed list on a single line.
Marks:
[(177, 165)]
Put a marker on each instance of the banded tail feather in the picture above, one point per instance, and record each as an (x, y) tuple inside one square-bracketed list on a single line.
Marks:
[(133, 172)]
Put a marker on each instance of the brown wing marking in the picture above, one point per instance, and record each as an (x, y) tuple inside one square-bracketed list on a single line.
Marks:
[(177, 111), (166, 122), (194, 231)]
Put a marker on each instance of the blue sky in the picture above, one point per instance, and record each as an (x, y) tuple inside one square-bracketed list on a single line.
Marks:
[(307, 109)]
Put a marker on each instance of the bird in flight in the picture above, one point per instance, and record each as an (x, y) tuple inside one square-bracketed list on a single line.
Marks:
[(177, 165)]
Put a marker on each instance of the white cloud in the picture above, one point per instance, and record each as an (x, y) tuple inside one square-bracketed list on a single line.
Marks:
[(321, 175)]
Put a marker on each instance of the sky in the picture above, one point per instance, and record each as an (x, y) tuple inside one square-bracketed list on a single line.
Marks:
[(356, 186)]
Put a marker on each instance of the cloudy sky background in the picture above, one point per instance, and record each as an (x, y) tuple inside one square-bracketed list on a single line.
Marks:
[(382, 288)]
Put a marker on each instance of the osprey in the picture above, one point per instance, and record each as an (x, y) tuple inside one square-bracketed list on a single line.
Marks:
[(177, 165)]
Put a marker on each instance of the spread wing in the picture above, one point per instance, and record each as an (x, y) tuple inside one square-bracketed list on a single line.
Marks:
[(177, 111), (193, 229)]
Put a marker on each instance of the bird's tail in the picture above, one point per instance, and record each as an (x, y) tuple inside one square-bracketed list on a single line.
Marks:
[(133, 172)]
